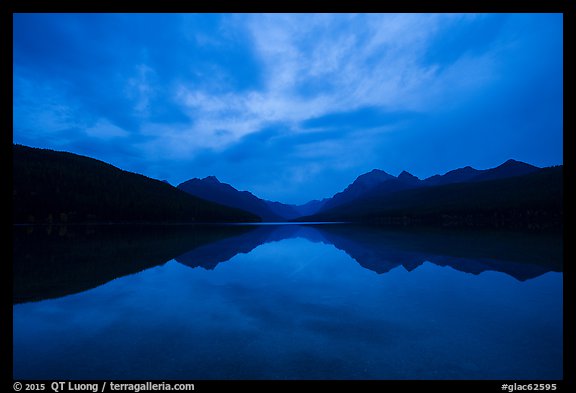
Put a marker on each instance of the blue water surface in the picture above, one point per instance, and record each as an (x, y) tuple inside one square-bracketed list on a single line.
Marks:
[(296, 309)]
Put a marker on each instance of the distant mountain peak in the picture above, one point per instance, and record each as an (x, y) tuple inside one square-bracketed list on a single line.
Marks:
[(212, 179), (376, 175), (376, 171), (466, 169), (212, 189), (369, 180), (507, 169), (407, 176), (511, 162)]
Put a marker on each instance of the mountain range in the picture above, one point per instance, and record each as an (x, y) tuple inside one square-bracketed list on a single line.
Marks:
[(59, 187), (464, 194), (210, 188), (494, 198), (378, 183)]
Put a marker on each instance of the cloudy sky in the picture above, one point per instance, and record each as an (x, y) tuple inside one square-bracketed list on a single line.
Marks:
[(290, 107)]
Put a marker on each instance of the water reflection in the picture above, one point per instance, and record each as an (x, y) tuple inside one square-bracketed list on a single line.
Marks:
[(285, 302), (520, 255), (54, 261), (57, 261)]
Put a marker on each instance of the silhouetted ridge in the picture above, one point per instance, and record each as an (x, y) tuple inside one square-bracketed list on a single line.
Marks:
[(212, 189), (370, 191), (454, 176), (59, 187), (512, 195), (363, 184), (408, 177), (508, 169), (212, 179)]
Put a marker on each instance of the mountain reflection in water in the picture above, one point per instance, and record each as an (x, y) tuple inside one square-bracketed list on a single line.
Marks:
[(54, 261)]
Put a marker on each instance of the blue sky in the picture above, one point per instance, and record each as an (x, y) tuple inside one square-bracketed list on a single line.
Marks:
[(291, 107)]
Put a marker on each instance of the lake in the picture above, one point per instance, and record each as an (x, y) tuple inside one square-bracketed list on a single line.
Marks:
[(285, 302)]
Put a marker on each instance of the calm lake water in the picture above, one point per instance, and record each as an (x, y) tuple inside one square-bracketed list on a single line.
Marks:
[(285, 302)]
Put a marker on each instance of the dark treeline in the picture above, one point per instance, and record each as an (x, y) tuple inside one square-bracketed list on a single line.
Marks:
[(59, 187)]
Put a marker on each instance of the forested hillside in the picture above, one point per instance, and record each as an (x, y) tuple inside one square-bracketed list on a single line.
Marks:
[(59, 187)]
